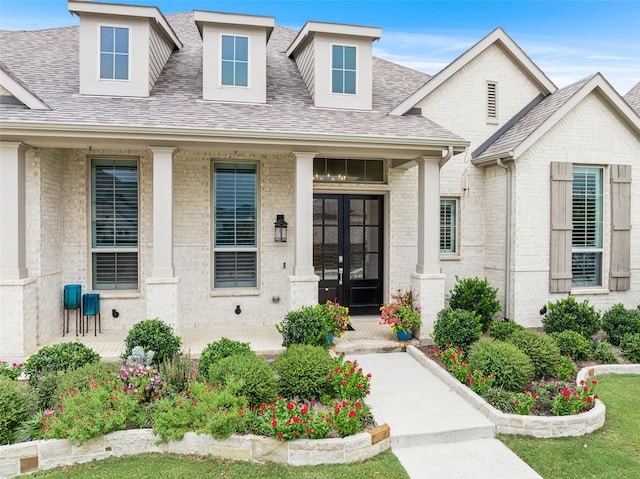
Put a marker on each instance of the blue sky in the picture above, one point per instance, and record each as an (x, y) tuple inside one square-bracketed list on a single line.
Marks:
[(567, 39)]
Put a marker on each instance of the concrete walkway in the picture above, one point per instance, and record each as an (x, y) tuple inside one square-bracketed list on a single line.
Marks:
[(434, 432)]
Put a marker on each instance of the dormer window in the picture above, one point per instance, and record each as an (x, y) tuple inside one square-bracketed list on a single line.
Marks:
[(343, 69), (114, 53), (235, 61)]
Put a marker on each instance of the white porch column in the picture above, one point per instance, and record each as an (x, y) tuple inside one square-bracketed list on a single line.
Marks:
[(162, 287), (427, 282), (304, 282), (13, 262)]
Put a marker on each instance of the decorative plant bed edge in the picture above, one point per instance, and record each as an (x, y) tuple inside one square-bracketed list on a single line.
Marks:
[(537, 426), (40, 455)]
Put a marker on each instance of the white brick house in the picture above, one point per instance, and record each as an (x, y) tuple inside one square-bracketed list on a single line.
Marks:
[(147, 158)]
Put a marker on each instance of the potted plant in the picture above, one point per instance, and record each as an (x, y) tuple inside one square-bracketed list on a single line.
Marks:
[(337, 319), (401, 315)]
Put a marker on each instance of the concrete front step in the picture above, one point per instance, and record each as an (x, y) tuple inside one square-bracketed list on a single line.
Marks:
[(442, 437)]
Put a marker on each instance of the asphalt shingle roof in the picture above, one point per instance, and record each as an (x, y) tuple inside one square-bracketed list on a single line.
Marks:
[(46, 61), (532, 120), (633, 98)]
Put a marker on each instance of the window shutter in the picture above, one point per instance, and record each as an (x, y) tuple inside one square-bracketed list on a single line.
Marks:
[(620, 275), (561, 227)]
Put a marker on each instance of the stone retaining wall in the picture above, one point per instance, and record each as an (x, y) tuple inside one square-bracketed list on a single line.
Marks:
[(26, 457), (537, 426)]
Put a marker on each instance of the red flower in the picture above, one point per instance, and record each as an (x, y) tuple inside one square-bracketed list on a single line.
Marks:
[(290, 406), (280, 435), (274, 423), (309, 431), (358, 404), (344, 383), (352, 414), (304, 410)]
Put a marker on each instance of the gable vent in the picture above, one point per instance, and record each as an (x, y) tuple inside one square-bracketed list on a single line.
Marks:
[(492, 102)]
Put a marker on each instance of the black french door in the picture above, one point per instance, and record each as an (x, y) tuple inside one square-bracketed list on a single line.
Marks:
[(348, 250)]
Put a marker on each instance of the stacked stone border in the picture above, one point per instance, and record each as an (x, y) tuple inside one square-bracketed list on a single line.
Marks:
[(40, 455), (536, 426)]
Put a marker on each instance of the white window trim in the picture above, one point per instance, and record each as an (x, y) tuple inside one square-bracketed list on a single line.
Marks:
[(240, 290), (331, 45), (235, 35), (493, 120), (98, 52), (454, 256)]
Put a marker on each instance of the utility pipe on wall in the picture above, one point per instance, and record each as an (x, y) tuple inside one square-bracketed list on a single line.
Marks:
[(507, 252)]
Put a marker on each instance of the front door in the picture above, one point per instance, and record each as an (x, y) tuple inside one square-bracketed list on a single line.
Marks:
[(347, 250)]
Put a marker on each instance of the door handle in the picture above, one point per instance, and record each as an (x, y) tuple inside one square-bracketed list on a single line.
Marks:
[(340, 270)]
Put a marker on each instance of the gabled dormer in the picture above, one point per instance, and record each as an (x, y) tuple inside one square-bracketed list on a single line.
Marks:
[(234, 56), (336, 63), (14, 92), (123, 48)]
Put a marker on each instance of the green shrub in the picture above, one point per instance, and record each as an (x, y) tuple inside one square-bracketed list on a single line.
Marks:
[(477, 295), (59, 357), (258, 380), (154, 335), (86, 377), (541, 349), (217, 350), (619, 321), (177, 372), (630, 345), (303, 371), (511, 366), (565, 368), (16, 405), (604, 354), (457, 327), (572, 344), (307, 325), (500, 399), (501, 330), (567, 314)]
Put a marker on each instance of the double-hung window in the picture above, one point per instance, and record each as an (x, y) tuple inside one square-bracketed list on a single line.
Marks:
[(586, 251), (343, 69), (448, 225), (114, 223), (114, 53), (235, 244), (235, 61)]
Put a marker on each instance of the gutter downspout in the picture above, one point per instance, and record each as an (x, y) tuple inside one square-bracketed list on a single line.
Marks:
[(507, 253), (447, 157)]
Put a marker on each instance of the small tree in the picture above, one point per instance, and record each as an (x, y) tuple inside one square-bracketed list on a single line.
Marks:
[(477, 295)]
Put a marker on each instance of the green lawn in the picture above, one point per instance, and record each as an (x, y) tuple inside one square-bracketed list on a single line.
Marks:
[(612, 452), (168, 466)]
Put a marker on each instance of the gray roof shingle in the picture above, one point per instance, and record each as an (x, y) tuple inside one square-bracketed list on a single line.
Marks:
[(633, 98), (46, 61)]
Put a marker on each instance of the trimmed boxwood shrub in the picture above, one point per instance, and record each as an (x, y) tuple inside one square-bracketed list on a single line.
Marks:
[(303, 371), (511, 366), (457, 327), (503, 329), (16, 405), (155, 335), (217, 350), (59, 357), (541, 349), (477, 295), (567, 314), (630, 345), (619, 321), (572, 344), (258, 380), (307, 325)]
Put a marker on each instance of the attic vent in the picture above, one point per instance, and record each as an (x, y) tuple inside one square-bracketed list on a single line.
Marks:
[(492, 102)]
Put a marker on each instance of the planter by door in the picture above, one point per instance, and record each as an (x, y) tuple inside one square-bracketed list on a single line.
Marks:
[(402, 336)]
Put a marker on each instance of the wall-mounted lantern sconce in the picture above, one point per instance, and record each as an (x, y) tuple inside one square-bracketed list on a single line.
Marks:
[(280, 229)]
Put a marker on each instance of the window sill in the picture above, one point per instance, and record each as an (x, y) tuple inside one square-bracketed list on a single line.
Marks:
[(234, 292), (589, 291), (111, 294), (450, 257)]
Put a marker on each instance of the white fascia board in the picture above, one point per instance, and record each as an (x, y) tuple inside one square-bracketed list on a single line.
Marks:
[(100, 8), (492, 159), (311, 28), (235, 19), (498, 36), (21, 92)]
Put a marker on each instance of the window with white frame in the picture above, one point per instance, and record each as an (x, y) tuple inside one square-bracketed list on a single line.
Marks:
[(235, 61), (448, 225), (235, 233), (343, 69), (114, 53), (586, 257), (114, 223)]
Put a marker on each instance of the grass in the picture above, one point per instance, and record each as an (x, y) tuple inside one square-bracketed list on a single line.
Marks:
[(169, 466), (610, 452)]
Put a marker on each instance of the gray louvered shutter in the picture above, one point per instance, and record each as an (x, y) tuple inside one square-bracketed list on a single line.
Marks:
[(620, 275), (561, 227)]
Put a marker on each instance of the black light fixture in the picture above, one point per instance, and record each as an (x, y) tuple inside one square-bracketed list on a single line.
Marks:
[(280, 235)]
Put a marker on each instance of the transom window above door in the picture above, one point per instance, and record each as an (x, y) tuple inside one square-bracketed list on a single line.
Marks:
[(340, 170)]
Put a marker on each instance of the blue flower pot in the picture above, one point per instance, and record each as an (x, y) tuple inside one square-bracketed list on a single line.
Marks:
[(330, 335), (402, 336)]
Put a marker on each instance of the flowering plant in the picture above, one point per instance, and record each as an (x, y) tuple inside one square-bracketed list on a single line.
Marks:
[(337, 318), (572, 402), (348, 379), (524, 402), (11, 371), (141, 381), (401, 314)]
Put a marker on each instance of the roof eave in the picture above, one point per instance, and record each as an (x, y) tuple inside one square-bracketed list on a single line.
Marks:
[(492, 159)]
